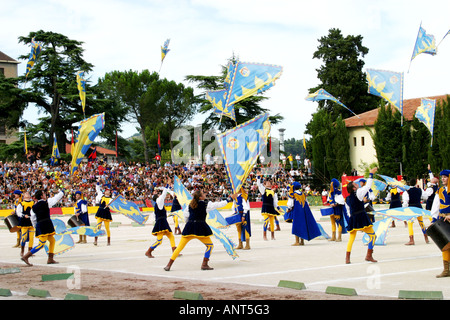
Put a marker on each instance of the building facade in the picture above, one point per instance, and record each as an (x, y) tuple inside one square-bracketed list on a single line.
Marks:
[(362, 149), (8, 68)]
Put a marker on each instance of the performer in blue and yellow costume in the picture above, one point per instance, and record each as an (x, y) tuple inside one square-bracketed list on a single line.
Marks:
[(412, 198), (270, 208), (242, 208), (197, 228), (359, 221), (394, 200), (17, 200), (304, 226), (45, 231), (441, 210), (81, 211), (337, 202), (176, 206), (103, 214), (161, 227), (27, 230)]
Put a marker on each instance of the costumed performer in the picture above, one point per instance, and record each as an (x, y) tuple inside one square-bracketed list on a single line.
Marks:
[(359, 221), (176, 206), (412, 198), (432, 188), (304, 226), (161, 227), (27, 230), (103, 214), (394, 200), (337, 202), (368, 201), (17, 200), (45, 231), (270, 208), (441, 210), (197, 228), (81, 211), (242, 208)]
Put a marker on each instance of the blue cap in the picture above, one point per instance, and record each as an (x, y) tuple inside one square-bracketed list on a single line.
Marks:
[(17, 192), (445, 173)]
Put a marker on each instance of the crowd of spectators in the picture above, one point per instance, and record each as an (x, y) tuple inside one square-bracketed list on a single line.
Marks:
[(134, 181)]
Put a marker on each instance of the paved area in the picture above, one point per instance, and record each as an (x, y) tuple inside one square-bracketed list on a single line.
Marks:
[(318, 264)]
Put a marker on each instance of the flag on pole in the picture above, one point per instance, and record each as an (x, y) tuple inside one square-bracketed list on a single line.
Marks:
[(249, 79), (81, 85), (36, 47), (117, 153), (55, 151), (25, 147), (241, 147), (321, 94), (164, 51), (388, 85), (159, 144), (88, 130), (425, 113), (218, 101), (128, 209), (425, 43)]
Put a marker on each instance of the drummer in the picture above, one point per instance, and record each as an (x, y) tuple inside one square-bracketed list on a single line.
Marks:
[(81, 211), (17, 200), (441, 210), (27, 230)]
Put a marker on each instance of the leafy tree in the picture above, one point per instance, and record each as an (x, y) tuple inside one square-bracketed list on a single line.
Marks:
[(439, 153), (387, 140), (51, 86), (341, 74)]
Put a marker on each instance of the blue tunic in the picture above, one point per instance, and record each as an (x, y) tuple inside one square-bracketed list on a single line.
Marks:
[(303, 223)]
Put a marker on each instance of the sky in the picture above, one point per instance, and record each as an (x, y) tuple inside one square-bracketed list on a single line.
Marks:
[(204, 34)]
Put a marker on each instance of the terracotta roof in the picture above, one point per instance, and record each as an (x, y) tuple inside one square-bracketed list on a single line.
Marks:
[(368, 118), (99, 150), (4, 57)]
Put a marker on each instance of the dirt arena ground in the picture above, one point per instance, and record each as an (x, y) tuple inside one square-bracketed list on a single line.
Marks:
[(122, 271)]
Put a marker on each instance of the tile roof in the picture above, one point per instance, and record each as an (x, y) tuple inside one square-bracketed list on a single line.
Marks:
[(369, 117), (4, 57)]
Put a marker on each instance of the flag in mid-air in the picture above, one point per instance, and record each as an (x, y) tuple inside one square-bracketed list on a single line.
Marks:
[(36, 47), (55, 151), (88, 130), (321, 94), (241, 147), (425, 113), (81, 85), (388, 85), (218, 101), (425, 43), (128, 209), (248, 79)]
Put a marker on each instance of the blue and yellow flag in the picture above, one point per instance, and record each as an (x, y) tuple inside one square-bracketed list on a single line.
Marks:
[(128, 209), (36, 47), (425, 43), (81, 85), (388, 85), (55, 151), (247, 79), (425, 113), (88, 130), (25, 146), (218, 100), (241, 147), (165, 50), (321, 94), (394, 182)]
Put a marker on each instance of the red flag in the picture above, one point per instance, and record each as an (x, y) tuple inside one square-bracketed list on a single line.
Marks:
[(345, 180), (159, 144)]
